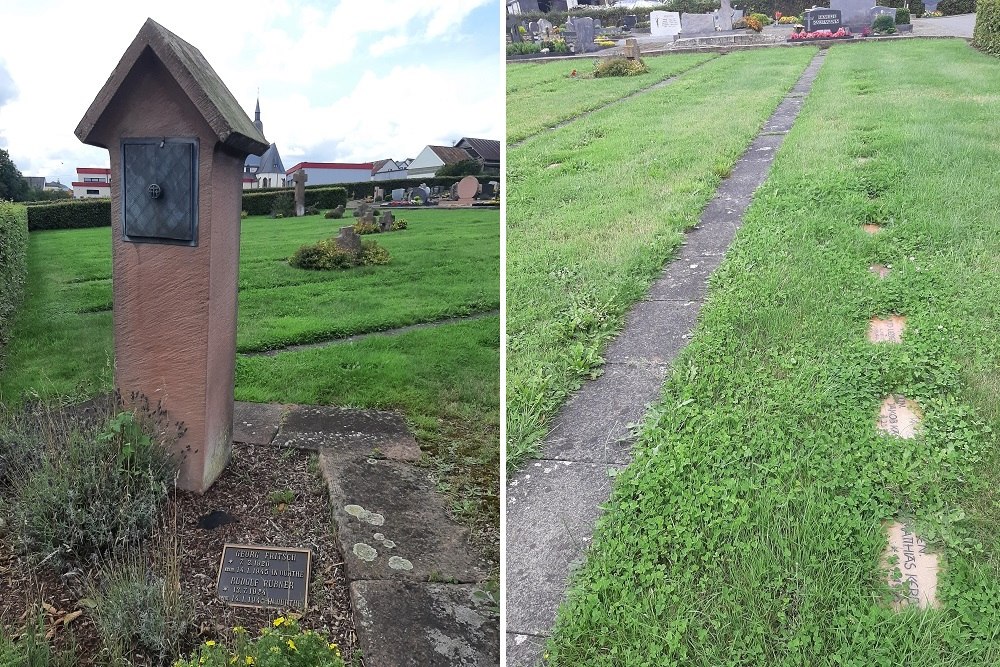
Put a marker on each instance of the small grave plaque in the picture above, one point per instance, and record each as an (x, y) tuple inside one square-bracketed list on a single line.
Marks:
[(889, 330), (880, 270), (872, 229), (264, 577), (899, 417), (910, 564)]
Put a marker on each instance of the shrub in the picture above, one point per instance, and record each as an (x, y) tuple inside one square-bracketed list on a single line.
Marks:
[(373, 253), (76, 214), (754, 24), (952, 7), (884, 24), (740, 24), (13, 244), (902, 16), (334, 213), (283, 205), (398, 224), (243, 215), (323, 256), (763, 18), (94, 488), (987, 33), (257, 202), (137, 606), (361, 228), (522, 48), (556, 46), (784, 20), (283, 644), (620, 67)]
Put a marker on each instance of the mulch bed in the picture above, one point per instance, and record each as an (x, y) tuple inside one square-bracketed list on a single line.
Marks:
[(244, 493)]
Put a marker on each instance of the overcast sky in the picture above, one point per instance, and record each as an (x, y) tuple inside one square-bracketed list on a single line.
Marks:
[(339, 80)]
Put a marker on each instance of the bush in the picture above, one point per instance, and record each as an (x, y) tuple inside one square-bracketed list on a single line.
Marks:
[(13, 245), (987, 34), (373, 253), (335, 213), (763, 18), (283, 644), (785, 20), (283, 205), (952, 7), (902, 16), (257, 202), (136, 606), (620, 67), (754, 24), (93, 489), (326, 255), (76, 214), (522, 48), (884, 24), (361, 228), (556, 46), (398, 224)]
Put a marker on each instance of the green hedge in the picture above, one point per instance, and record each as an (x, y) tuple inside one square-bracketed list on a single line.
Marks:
[(76, 214), (13, 246), (257, 202), (952, 7), (987, 35), (367, 189)]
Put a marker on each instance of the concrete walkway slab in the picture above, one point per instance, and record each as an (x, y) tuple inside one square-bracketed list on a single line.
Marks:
[(369, 432), (257, 423), (553, 504)]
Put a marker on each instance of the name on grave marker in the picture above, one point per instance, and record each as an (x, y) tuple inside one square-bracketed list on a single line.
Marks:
[(912, 567), (899, 417), (264, 577), (823, 19)]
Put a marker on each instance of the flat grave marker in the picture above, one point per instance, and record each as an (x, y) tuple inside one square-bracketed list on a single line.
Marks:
[(880, 270), (888, 330), (910, 564), (264, 577), (872, 229), (899, 417)]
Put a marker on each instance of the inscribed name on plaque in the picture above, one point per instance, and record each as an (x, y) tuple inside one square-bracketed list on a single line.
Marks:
[(889, 330), (913, 571), (899, 417), (264, 577)]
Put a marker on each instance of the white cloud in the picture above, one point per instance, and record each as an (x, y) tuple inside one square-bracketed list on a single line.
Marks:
[(59, 54)]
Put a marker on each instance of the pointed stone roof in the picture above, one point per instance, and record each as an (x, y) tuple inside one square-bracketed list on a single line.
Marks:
[(270, 162), (196, 78)]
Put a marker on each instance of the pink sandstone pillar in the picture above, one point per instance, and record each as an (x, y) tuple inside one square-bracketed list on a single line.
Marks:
[(177, 140)]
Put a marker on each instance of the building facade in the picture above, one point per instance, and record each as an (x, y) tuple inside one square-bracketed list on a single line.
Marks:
[(92, 182), (331, 173)]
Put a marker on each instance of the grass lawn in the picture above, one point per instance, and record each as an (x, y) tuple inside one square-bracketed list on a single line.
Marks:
[(543, 95), (750, 528), (595, 208), (444, 378), (446, 264)]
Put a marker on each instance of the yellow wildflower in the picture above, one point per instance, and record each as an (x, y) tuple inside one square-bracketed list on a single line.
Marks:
[(278, 621), (291, 645), (333, 647), (249, 660), (210, 643)]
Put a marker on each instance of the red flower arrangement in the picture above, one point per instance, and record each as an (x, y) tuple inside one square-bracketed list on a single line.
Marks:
[(820, 34)]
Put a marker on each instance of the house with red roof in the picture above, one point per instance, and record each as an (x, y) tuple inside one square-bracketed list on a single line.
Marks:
[(92, 182)]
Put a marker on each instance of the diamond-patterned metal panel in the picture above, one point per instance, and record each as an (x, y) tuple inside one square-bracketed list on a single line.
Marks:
[(160, 190)]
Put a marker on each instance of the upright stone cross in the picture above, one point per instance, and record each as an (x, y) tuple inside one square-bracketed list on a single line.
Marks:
[(300, 179)]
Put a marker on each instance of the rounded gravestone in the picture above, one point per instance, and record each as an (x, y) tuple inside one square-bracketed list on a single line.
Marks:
[(468, 187)]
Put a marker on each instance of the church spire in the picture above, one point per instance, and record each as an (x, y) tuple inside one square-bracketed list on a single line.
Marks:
[(256, 117)]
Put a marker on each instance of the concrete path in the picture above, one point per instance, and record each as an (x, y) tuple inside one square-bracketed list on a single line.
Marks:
[(416, 587), (553, 503), (961, 25)]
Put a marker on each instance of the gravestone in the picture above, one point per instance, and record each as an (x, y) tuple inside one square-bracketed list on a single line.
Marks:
[(725, 21), (888, 330), (513, 29), (264, 577), (489, 191), (630, 21), (533, 30), (584, 28), (178, 140), (880, 270), (385, 222), (853, 13), (398, 194), (930, 5), (348, 240), (420, 191), (697, 24), (664, 24), (737, 14), (362, 209), (339, 211), (379, 194), (300, 179), (368, 217), (597, 24), (454, 191), (822, 19), (545, 27), (911, 568), (899, 417), (872, 229), (467, 188), (877, 11), (631, 50)]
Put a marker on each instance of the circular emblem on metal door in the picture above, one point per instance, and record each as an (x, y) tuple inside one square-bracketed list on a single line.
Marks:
[(155, 191)]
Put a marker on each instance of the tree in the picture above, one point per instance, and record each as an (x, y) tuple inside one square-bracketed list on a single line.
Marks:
[(12, 183), (468, 167)]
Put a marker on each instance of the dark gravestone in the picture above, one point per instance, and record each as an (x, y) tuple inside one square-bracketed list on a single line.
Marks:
[(822, 19), (264, 577), (513, 29), (385, 222), (630, 22), (489, 190), (362, 209), (368, 217), (584, 28)]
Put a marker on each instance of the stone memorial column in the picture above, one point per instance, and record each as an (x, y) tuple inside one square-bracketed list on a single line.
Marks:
[(300, 179), (177, 140)]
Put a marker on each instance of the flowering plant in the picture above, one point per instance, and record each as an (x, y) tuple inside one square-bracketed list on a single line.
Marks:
[(284, 644), (820, 34)]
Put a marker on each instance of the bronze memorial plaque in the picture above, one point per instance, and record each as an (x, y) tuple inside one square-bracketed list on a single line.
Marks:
[(264, 577)]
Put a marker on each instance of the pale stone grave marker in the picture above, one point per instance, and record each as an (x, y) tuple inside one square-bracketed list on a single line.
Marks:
[(664, 24), (467, 189), (348, 240), (899, 417), (300, 179), (697, 24), (880, 270), (888, 330), (872, 229), (725, 21), (398, 194), (545, 26), (584, 28), (631, 50), (911, 565)]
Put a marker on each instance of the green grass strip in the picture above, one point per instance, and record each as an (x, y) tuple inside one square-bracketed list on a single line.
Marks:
[(446, 264), (544, 95), (750, 528), (595, 208)]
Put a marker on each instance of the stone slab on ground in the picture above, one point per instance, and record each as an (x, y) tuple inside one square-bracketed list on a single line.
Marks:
[(392, 524), (403, 624), (257, 423), (523, 650), (550, 520), (369, 432), (655, 331)]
